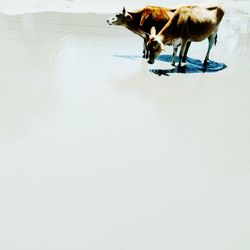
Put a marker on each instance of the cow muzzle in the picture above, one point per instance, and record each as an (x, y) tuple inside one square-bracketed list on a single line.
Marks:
[(109, 22)]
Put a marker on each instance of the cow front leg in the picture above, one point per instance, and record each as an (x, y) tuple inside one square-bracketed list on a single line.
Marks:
[(175, 48), (145, 50)]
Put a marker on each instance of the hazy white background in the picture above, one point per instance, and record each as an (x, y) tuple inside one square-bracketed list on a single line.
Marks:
[(98, 153)]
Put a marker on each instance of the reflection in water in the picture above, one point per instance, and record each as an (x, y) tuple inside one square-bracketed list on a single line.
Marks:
[(192, 66)]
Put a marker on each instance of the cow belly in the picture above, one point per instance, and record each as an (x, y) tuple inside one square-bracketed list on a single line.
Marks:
[(199, 31)]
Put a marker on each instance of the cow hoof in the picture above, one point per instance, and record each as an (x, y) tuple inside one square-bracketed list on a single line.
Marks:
[(181, 69), (173, 63), (204, 69), (205, 63)]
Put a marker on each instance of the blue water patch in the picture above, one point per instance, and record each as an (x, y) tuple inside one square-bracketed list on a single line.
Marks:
[(192, 66)]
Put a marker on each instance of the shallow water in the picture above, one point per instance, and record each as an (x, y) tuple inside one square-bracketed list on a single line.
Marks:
[(98, 152)]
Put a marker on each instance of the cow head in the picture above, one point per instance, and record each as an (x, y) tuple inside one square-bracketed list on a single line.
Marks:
[(121, 18), (154, 46)]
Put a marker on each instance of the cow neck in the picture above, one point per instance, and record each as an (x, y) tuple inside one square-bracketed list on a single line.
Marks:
[(168, 32), (134, 24)]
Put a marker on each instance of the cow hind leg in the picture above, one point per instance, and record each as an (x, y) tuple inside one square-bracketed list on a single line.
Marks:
[(211, 41), (183, 47), (186, 51)]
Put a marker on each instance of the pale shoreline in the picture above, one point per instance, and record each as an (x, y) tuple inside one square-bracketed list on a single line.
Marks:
[(99, 153)]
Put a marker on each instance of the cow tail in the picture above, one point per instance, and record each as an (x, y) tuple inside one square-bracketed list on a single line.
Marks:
[(215, 39)]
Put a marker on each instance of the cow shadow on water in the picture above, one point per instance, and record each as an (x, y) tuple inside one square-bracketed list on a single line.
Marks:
[(192, 65)]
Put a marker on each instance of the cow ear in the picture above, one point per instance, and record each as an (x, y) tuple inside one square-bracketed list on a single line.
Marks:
[(153, 31), (124, 10)]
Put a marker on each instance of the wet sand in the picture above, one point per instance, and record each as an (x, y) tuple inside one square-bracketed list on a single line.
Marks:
[(99, 152)]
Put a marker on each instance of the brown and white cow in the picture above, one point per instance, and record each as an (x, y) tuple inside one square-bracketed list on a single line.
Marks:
[(188, 24), (140, 22)]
